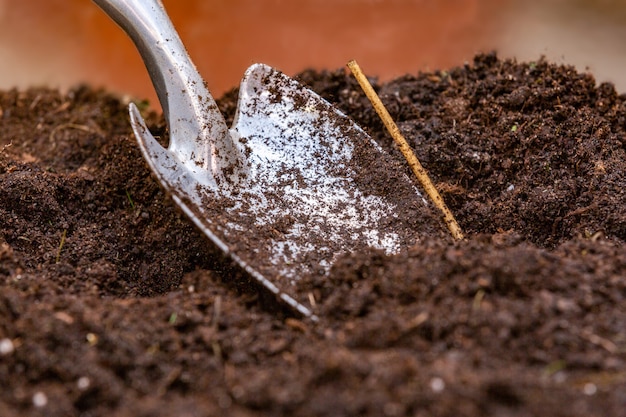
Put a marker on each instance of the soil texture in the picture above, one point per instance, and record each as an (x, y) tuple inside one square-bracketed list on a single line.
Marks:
[(112, 303)]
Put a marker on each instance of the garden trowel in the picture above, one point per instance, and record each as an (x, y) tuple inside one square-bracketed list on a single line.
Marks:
[(290, 187)]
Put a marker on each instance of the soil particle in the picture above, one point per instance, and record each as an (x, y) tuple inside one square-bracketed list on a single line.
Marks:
[(113, 304)]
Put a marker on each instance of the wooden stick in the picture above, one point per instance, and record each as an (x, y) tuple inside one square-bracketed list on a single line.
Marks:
[(61, 245), (414, 163)]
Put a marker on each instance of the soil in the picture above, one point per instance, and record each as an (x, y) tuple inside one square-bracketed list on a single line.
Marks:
[(299, 159), (112, 303)]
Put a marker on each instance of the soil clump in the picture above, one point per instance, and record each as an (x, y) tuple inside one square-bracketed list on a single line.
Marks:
[(112, 303)]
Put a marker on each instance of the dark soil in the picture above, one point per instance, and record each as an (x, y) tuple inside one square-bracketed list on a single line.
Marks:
[(113, 304)]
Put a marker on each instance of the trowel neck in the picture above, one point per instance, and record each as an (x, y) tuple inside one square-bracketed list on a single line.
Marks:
[(162, 50)]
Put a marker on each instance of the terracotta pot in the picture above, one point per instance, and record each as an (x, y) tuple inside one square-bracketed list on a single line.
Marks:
[(63, 42)]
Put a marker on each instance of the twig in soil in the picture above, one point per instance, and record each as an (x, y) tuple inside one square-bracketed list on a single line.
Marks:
[(8, 145), (414, 163), (61, 245), (34, 103), (64, 126), (130, 200), (312, 300), (608, 345), (478, 299)]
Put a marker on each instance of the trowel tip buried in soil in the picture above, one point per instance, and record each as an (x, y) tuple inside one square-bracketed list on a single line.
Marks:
[(291, 186)]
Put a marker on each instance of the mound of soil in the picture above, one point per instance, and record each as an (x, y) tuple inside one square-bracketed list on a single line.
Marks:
[(113, 304)]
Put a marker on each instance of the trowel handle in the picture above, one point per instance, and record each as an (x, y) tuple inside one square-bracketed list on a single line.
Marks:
[(180, 88), (147, 24)]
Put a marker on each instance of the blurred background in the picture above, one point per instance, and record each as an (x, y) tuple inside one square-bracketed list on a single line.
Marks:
[(61, 43)]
